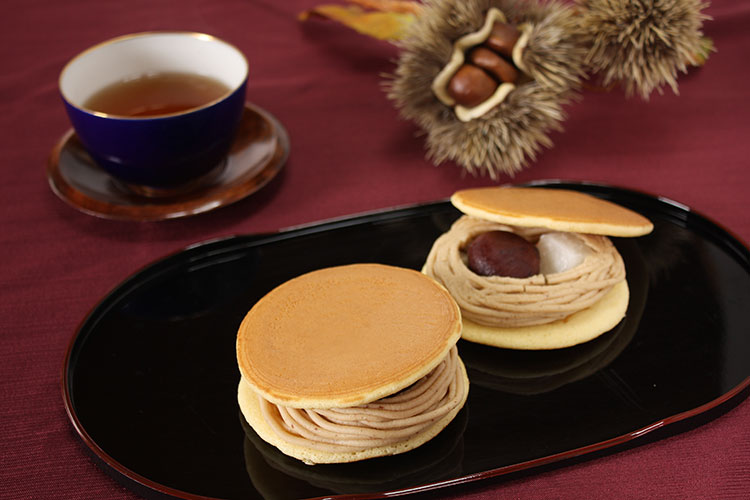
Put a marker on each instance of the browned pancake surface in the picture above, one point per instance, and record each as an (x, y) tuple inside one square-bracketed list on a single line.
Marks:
[(346, 335), (557, 209)]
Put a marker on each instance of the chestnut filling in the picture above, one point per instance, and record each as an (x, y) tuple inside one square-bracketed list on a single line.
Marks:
[(505, 301), (502, 253), (488, 65), (388, 421)]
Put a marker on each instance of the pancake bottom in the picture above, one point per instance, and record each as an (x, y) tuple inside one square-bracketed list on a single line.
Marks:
[(250, 407), (577, 328)]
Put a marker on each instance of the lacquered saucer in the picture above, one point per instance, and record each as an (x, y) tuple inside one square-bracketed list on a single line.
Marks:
[(258, 153)]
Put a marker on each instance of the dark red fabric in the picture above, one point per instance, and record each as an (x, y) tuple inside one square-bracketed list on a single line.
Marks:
[(350, 153)]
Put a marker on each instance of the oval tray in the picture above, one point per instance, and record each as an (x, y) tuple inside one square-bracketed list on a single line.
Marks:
[(150, 377)]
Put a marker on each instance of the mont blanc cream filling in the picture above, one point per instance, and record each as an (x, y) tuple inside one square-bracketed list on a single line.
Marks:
[(512, 302), (381, 423)]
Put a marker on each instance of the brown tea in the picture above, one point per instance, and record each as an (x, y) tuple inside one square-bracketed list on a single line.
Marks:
[(157, 94)]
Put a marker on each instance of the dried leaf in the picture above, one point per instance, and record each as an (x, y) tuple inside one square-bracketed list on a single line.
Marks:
[(403, 6), (389, 26)]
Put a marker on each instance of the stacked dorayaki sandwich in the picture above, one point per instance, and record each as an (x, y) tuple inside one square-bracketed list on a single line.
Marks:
[(534, 268), (351, 362)]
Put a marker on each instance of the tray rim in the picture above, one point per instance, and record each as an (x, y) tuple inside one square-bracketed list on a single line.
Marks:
[(147, 487)]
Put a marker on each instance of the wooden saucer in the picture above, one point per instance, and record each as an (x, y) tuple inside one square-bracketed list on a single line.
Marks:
[(258, 153)]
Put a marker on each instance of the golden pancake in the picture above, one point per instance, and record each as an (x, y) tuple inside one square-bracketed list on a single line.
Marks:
[(555, 209), (577, 328), (346, 335)]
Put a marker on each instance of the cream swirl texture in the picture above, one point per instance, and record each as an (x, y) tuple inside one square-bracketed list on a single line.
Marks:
[(512, 302), (380, 423)]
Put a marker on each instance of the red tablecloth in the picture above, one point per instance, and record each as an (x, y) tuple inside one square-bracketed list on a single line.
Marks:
[(350, 153)]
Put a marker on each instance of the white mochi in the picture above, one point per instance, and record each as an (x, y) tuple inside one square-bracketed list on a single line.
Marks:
[(559, 252)]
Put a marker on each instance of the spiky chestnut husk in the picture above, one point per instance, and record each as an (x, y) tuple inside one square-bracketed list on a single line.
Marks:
[(506, 138), (642, 44)]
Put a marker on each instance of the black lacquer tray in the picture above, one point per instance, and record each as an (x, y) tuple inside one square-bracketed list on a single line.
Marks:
[(150, 378)]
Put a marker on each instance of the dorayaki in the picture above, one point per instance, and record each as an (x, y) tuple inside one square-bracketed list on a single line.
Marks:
[(534, 268), (351, 362)]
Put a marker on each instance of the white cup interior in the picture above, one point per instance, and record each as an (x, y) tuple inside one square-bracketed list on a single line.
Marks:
[(142, 54)]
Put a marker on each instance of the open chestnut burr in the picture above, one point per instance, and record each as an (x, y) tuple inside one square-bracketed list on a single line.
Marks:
[(484, 67)]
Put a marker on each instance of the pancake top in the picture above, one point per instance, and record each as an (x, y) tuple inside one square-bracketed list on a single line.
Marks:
[(556, 209), (346, 335)]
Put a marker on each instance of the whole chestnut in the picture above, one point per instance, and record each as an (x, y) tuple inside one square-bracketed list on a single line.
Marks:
[(503, 38), (471, 86), (494, 64), (502, 253)]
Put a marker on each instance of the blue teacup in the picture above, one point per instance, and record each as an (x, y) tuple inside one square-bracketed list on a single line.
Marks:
[(166, 146)]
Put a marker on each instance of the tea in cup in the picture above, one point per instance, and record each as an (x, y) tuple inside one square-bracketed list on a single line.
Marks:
[(156, 110)]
